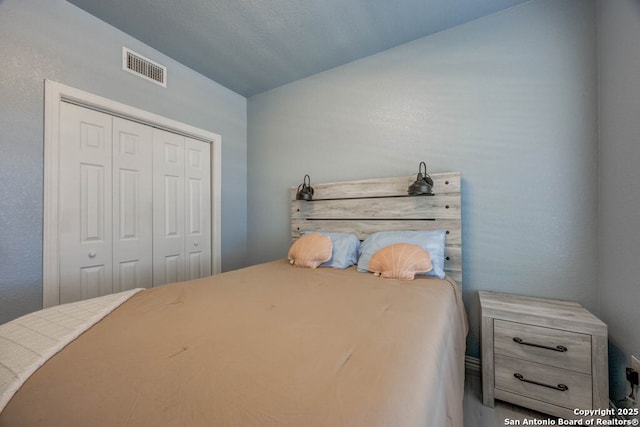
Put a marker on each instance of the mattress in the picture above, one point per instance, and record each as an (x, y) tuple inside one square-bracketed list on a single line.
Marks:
[(266, 345)]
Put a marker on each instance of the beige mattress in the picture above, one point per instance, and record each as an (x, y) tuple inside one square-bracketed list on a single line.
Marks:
[(266, 345)]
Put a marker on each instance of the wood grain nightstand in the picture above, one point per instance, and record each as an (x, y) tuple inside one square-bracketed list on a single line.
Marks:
[(543, 354)]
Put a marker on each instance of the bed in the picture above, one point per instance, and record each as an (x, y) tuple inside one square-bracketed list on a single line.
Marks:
[(270, 344)]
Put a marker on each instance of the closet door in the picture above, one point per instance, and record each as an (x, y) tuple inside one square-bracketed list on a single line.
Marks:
[(132, 205), (198, 208), (182, 208), (125, 204), (85, 209), (168, 208)]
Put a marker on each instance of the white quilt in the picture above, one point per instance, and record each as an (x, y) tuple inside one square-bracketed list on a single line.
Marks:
[(29, 341)]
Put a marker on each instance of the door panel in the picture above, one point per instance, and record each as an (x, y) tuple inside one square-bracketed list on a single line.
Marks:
[(172, 271), (132, 205), (198, 208), (172, 206), (92, 282), (92, 199), (128, 204), (195, 265), (168, 208), (129, 276), (85, 226)]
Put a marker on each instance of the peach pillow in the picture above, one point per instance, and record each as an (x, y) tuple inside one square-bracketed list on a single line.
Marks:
[(310, 250), (400, 261)]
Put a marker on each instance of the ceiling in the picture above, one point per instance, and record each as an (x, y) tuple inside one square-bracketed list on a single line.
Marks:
[(251, 46)]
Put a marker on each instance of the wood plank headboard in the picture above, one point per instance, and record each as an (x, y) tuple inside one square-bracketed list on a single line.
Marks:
[(366, 206)]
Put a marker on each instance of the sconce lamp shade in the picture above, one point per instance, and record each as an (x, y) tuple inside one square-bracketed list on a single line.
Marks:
[(305, 191), (423, 184)]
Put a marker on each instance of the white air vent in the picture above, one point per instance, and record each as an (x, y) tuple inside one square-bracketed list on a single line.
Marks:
[(143, 67)]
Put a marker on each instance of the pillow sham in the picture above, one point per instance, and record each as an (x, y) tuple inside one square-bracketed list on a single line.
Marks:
[(400, 261), (345, 249), (310, 251), (431, 241)]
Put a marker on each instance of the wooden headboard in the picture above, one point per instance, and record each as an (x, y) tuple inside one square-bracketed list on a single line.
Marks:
[(366, 206)]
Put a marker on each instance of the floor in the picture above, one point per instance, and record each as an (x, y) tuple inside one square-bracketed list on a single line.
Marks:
[(478, 415)]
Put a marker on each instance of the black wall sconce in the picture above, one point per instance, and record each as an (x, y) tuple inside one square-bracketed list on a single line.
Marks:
[(423, 184), (305, 191)]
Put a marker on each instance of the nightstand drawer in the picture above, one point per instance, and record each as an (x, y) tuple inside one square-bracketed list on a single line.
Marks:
[(562, 349), (543, 382)]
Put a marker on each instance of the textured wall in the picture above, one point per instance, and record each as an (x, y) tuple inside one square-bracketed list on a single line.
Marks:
[(619, 58), (52, 39), (509, 100)]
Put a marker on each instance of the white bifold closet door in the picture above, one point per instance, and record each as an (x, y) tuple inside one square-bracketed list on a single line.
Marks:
[(134, 205), (85, 227), (181, 214)]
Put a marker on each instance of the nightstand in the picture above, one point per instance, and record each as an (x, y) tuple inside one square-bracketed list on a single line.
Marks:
[(543, 354)]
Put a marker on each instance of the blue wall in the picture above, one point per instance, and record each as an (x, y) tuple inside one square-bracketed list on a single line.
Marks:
[(51, 39), (619, 279), (509, 100)]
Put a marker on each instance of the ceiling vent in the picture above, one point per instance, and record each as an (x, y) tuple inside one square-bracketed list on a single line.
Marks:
[(144, 67)]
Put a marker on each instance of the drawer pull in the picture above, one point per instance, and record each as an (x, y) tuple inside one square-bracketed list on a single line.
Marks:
[(559, 387), (559, 348)]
